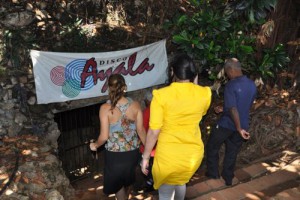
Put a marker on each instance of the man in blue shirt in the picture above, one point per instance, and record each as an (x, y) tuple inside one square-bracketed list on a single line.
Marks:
[(232, 127)]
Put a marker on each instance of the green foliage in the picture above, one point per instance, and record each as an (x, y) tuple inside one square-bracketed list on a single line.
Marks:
[(273, 61), (74, 36), (210, 37), (199, 35), (216, 32), (17, 43), (253, 10), (3, 73)]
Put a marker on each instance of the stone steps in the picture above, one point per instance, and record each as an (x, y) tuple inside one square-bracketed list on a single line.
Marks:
[(288, 194), (262, 180), (275, 178)]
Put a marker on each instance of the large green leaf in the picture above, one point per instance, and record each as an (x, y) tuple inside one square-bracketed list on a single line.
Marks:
[(246, 49), (182, 19), (200, 46), (180, 39)]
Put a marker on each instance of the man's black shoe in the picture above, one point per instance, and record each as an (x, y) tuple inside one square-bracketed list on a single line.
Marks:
[(227, 182)]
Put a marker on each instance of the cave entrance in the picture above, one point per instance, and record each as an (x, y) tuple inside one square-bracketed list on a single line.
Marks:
[(78, 127)]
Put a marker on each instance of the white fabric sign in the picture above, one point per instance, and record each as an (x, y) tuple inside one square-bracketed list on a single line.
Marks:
[(63, 77)]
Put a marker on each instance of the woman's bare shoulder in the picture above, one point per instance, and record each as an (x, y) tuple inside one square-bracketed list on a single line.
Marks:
[(105, 107), (135, 104)]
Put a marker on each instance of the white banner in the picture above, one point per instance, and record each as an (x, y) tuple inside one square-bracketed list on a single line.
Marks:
[(63, 77)]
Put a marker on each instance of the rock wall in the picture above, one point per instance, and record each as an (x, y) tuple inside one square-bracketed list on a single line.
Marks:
[(28, 142), (31, 170), (28, 134)]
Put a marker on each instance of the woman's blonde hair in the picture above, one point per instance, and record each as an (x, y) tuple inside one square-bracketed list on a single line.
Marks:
[(117, 88)]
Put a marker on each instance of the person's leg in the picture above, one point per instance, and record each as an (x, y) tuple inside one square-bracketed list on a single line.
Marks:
[(233, 146), (122, 194), (119, 173), (112, 172), (217, 137), (180, 191), (166, 192), (129, 170)]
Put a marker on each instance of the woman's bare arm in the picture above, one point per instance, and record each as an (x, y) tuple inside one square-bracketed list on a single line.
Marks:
[(139, 123), (104, 127), (151, 140)]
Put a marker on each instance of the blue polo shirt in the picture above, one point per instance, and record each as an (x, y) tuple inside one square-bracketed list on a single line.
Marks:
[(239, 92)]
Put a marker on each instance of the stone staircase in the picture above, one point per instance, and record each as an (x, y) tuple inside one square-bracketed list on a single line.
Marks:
[(275, 177), (272, 178)]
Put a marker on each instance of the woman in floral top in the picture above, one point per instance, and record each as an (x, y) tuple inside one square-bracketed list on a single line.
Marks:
[(122, 130)]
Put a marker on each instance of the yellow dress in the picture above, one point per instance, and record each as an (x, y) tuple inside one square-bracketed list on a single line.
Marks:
[(176, 111)]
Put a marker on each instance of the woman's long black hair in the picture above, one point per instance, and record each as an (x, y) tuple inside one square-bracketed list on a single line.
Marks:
[(184, 67)]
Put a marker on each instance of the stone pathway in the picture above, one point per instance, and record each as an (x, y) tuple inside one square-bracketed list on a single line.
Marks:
[(276, 179), (91, 188)]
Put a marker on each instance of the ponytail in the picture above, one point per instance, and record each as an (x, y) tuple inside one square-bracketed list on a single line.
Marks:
[(117, 88)]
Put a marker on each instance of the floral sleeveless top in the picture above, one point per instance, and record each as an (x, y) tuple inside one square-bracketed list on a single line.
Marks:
[(122, 134)]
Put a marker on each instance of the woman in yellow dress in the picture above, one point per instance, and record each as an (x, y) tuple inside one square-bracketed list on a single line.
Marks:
[(176, 111)]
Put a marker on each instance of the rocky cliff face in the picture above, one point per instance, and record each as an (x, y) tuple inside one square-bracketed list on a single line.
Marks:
[(31, 168)]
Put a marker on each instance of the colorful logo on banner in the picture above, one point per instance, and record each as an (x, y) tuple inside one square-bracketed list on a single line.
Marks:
[(82, 74)]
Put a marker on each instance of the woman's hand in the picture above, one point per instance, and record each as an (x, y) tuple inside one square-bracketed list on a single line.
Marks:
[(93, 146), (144, 165)]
